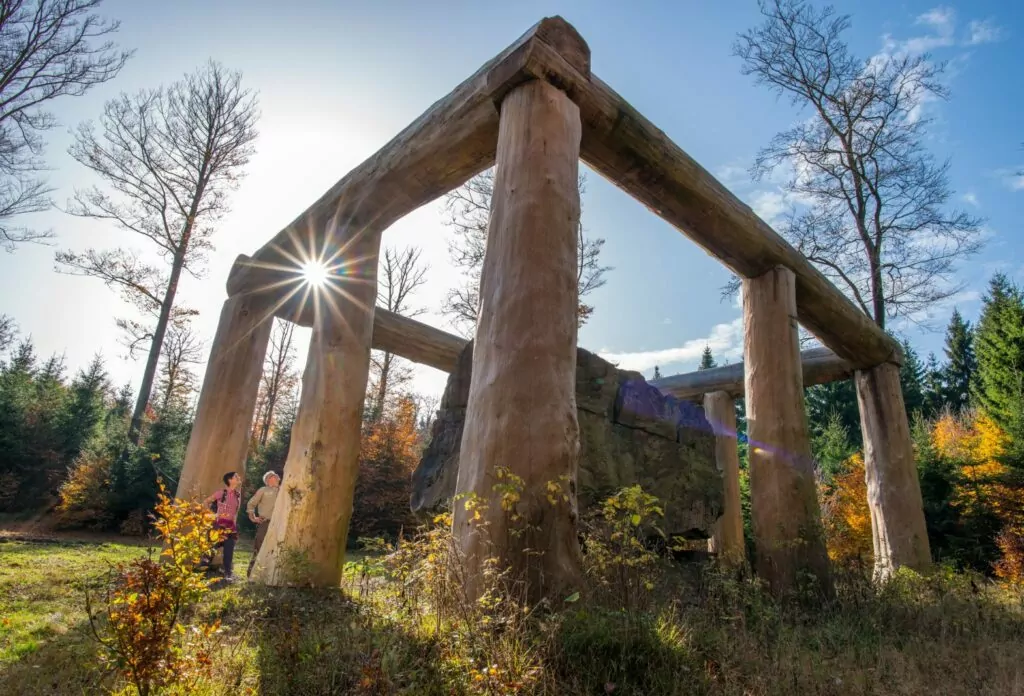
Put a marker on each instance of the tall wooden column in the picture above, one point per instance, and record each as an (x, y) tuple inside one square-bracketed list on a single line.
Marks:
[(894, 491), (305, 544), (521, 413), (227, 401), (784, 504), (727, 539)]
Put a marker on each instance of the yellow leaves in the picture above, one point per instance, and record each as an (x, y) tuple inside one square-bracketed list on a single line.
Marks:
[(846, 516)]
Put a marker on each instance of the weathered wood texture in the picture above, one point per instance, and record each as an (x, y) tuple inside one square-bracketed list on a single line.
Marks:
[(631, 152), (305, 543), (894, 492), (819, 365), (727, 538), (521, 414), (227, 401), (783, 499), (453, 140)]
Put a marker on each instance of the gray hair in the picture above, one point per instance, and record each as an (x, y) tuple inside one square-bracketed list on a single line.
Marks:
[(268, 475)]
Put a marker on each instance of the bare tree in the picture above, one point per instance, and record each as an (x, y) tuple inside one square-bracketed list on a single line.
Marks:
[(48, 49), (868, 199), (469, 207), (279, 378), (182, 350), (401, 274), (168, 157)]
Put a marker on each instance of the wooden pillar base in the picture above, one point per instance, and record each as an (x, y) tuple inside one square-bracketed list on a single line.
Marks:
[(783, 496), (894, 491), (521, 414), (727, 539), (220, 433)]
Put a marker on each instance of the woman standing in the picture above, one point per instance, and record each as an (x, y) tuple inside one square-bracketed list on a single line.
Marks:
[(228, 501)]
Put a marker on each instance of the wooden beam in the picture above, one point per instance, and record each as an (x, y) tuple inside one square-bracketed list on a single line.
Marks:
[(222, 428), (452, 141), (416, 341), (894, 491), (521, 414), (631, 152), (784, 509), (727, 538), (820, 366)]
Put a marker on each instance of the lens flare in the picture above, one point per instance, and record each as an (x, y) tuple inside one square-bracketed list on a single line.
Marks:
[(314, 273)]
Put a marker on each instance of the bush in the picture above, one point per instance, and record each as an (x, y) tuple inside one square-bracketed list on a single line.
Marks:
[(140, 632)]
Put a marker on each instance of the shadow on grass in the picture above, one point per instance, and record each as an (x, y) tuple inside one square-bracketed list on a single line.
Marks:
[(322, 642)]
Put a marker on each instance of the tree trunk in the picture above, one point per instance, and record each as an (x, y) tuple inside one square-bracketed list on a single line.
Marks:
[(727, 540), (146, 388), (305, 544), (894, 491), (783, 496), (220, 434), (521, 414)]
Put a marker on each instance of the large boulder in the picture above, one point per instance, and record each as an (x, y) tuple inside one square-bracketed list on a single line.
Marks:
[(629, 433)]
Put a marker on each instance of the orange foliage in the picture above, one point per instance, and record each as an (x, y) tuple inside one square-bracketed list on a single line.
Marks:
[(846, 516), (390, 451), (84, 495), (976, 444)]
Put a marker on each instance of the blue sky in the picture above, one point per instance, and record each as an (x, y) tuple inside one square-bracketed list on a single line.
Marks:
[(337, 79)]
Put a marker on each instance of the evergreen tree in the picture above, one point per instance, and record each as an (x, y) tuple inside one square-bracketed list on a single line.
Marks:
[(933, 387), (999, 347), (835, 399), (86, 409), (962, 366), (912, 375), (831, 447), (707, 360), (657, 373)]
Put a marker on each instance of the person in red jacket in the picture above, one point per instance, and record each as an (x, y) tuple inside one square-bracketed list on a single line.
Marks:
[(227, 502)]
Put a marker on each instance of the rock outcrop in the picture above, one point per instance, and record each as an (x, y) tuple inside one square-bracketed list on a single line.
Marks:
[(629, 433)]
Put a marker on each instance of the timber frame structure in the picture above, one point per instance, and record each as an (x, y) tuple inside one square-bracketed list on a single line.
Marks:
[(535, 110)]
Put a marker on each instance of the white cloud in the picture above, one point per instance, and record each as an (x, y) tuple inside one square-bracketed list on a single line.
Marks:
[(733, 175), (971, 198), (769, 206), (666, 321), (983, 32), (725, 341), (1015, 182)]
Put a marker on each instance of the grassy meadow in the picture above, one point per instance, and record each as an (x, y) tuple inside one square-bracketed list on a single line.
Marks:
[(704, 632)]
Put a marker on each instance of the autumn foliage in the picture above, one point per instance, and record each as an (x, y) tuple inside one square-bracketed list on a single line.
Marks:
[(846, 516), (139, 627), (390, 451)]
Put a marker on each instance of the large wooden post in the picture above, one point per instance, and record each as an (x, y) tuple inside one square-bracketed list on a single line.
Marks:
[(727, 539), (521, 414), (894, 491), (305, 544), (227, 401), (784, 504)]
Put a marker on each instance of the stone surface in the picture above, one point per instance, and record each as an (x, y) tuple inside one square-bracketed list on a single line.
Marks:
[(680, 469)]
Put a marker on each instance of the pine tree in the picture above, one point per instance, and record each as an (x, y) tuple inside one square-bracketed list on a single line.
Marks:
[(961, 366), (707, 360), (934, 389), (85, 409), (999, 347), (912, 379), (835, 399), (657, 373)]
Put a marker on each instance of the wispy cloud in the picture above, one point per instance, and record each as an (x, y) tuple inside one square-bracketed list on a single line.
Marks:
[(983, 32), (770, 206), (725, 341), (666, 321), (972, 199)]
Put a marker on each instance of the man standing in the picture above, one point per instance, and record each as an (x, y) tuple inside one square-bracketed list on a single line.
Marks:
[(225, 504), (259, 508)]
